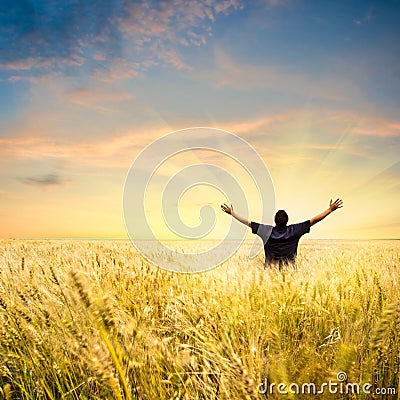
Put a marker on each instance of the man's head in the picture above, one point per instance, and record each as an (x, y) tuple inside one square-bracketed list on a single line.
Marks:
[(281, 219)]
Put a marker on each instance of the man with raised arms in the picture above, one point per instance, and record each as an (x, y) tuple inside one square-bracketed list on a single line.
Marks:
[(281, 241)]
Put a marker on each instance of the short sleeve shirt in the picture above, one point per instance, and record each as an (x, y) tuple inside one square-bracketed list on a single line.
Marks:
[(280, 243)]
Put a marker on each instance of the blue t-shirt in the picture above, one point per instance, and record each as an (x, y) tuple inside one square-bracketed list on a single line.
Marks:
[(280, 244)]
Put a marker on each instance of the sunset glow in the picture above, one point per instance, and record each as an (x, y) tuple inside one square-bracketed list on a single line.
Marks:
[(313, 86)]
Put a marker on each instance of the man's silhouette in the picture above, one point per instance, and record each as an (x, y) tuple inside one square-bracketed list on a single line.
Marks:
[(281, 241)]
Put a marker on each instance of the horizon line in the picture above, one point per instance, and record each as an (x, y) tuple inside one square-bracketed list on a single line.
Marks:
[(175, 240)]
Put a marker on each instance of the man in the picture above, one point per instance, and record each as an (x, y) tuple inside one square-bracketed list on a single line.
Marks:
[(281, 241)]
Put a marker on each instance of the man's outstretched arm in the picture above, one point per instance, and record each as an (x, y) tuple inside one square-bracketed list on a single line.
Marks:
[(338, 203), (229, 210)]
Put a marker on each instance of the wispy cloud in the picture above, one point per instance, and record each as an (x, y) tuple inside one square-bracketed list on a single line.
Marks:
[(366, 18), (254, 125), (45, 181), (343, 131), (117, 69), (112, 152), (320, 119), (378, 127), (96, 97), (114, 39), (232, 73), (321, 134)]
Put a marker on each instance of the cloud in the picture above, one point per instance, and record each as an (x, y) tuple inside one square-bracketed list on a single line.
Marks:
[(254, 125), (366, 18), (117, 69), (112, 152), (231, 73), (28, 64), (45, 180), (322, 133), (321, 119), (96, 97), (113, 39), (378, 127)]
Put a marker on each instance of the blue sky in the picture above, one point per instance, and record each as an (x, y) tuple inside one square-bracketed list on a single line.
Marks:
[(84, 86)]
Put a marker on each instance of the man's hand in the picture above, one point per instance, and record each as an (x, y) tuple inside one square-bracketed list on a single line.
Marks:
[(227, 209), (338, 203)]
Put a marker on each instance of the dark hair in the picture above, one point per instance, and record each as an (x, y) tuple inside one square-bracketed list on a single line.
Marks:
[(281, 218)]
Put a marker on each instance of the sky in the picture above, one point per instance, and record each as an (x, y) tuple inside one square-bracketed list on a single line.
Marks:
[(85, 86)]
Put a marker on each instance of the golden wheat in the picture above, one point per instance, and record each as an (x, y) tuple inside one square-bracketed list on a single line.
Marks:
[(93, 320)]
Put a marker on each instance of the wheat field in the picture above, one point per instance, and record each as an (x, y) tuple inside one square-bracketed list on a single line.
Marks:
[(93, 320)]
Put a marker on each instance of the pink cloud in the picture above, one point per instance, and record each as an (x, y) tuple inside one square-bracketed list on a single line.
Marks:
[(361, 124), (151, 33), (254, 125), (95, 97), (38, 70), (307, 131), (224, 6), (337, 147), (377, 127), (157, 30), (27, 64), (236, 74), (113, 152), (99, 57), (118, 70), (173, 58)]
